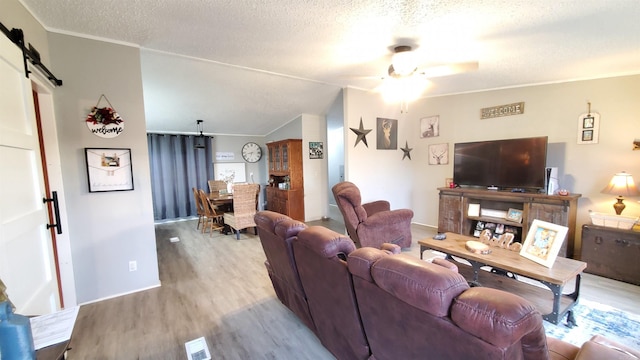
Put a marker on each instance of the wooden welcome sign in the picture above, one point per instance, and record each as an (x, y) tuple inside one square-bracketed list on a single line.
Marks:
[(502, 110)]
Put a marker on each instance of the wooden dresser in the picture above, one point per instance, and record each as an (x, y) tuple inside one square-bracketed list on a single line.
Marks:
[(611, 252), (285, 191)]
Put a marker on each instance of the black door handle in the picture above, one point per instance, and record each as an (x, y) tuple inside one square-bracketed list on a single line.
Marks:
[(56, 211)]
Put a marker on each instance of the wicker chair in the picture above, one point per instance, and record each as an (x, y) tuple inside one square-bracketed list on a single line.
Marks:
[(217, 185), (244, 208), (213, 220), (199, 207)]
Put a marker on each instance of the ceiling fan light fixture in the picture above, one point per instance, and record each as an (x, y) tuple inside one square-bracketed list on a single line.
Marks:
[(403, 62), (406, 89)]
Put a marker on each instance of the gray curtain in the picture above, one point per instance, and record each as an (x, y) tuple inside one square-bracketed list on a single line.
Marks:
[(177, 167)]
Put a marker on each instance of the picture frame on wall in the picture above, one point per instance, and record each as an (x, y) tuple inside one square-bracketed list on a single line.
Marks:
[(387, 134), (316, 150), (543, 242), (588, 128), (439, 154), (430, 126), (109, 169)]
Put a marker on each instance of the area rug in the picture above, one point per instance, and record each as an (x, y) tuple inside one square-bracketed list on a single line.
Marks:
[(598, 319)]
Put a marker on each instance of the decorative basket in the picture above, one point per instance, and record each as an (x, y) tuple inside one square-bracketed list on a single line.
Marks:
[(614, 221)]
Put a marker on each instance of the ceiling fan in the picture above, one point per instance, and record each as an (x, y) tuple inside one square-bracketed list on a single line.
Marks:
[(407, 81), (404, 63)]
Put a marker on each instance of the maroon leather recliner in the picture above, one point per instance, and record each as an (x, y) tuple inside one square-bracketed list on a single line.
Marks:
[(372, 224)]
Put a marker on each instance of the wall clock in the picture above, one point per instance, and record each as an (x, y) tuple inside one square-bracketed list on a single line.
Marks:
[(251, 152)]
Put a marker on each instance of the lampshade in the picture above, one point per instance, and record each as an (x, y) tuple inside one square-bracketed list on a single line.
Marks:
[(621, 184)]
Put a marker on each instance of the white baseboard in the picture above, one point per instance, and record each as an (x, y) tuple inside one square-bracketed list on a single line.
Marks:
[(121, 294)]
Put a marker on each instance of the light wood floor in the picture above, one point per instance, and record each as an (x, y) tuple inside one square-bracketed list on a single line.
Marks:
[(217, 288)]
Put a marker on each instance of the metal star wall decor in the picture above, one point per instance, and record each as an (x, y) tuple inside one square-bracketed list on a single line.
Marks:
[(406, 150), (362, 134)]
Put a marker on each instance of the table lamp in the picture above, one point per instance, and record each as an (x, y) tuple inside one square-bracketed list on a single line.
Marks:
[(621, 184)]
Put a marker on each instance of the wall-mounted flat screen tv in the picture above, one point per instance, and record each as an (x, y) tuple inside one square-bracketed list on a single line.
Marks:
[(506, 164)]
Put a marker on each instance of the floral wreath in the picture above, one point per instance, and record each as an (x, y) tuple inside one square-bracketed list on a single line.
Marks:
[(104, 115)]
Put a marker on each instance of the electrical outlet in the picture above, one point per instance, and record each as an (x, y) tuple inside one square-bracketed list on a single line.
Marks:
[(133, 265)]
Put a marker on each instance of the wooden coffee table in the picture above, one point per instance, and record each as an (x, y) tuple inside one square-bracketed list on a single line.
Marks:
[(554, 304)]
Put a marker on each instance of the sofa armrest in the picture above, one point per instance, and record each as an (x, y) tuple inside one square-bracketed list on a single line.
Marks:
[(500, 318), (388, 218), (445, 263), (599, 347), (376, 207), (391, 248)]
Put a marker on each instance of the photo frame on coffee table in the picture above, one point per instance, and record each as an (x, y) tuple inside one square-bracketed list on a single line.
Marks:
[(543, 242)]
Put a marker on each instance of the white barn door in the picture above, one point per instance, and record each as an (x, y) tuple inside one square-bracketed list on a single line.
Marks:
[(26, 253)]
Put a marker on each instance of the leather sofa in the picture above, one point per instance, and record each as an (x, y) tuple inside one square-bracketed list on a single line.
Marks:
[(370, 303), (276, 232)]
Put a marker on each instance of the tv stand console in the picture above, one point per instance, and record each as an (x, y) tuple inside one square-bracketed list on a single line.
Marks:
[(454, 216)]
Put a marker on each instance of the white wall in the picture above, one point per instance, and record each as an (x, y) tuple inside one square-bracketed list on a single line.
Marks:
[(107, 229), (379, 174), (551, 110), (314, 129)]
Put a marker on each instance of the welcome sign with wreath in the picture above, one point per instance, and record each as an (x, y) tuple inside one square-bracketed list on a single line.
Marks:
[(104, 121)]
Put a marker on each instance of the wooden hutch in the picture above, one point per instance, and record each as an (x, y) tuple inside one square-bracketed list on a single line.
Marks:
[(285, 191)]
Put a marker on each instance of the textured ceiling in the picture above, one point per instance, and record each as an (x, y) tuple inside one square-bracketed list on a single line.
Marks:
[(248, 67)]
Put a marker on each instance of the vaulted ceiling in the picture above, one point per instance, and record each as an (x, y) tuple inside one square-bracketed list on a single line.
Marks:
[(250, 66)]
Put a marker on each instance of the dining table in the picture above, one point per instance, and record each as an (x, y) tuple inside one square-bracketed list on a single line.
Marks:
[(223, 201)]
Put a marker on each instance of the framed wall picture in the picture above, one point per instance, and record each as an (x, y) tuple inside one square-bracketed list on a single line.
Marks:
[(588, 128), (316, 150), (230, 172), (109, 169), (438, 154), (387, 137), (430, 126), (543, 242)]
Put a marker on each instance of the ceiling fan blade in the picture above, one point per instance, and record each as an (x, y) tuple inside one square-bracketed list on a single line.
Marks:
[(449, 69)]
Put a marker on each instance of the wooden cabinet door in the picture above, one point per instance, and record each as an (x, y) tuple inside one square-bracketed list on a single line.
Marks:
[(556, 214), (272, 163), (450, 214), (284, 150), (277, 158)]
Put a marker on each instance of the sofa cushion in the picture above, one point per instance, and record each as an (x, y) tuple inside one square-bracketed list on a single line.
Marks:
[(327, 243), (267, 220), (288, 228), (498, 317), (426, 286), (599, 347), (560, 350)]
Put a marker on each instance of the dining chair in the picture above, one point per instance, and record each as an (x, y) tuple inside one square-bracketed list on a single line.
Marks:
[(217, 185), (244, 208), (199, 207), (213, 219)]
